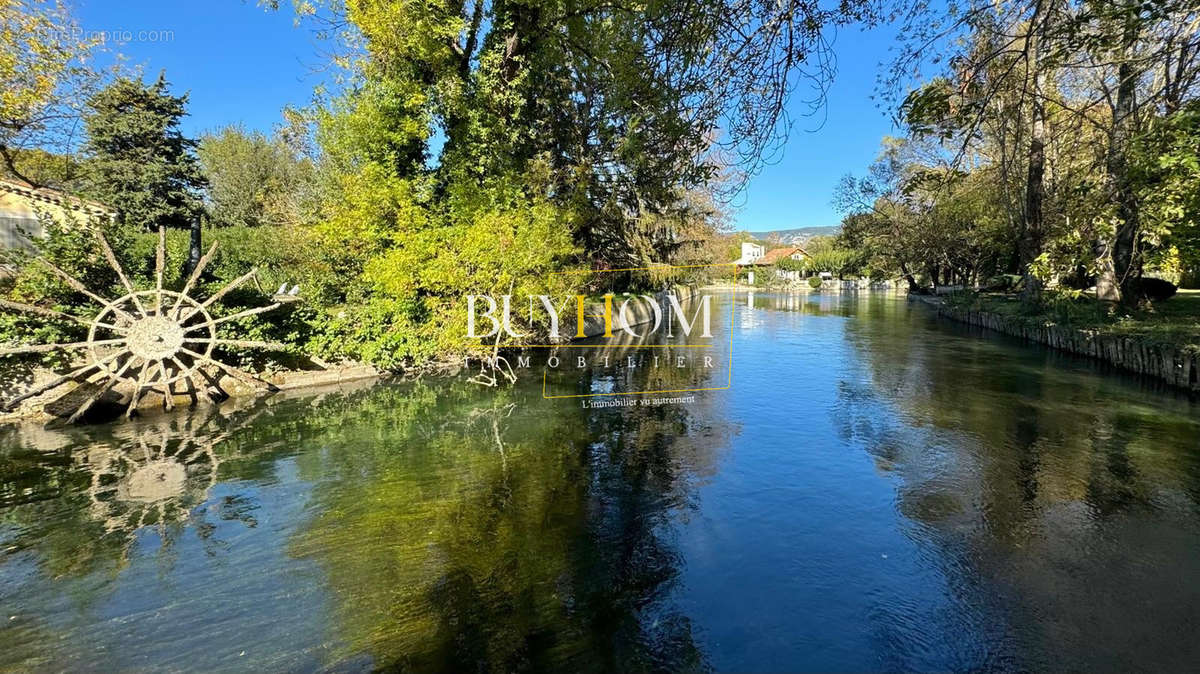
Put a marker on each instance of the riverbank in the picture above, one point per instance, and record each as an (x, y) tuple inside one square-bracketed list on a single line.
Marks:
[(1163, 347), (57, 403)]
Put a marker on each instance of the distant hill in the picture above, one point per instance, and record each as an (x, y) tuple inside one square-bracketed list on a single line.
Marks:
[(798, 236)]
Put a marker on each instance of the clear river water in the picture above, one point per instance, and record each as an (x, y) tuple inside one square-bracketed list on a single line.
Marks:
[(870, 488)]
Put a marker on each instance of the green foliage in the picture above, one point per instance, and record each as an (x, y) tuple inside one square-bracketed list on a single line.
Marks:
[(1175, 323), (411, 294), (788, 264), (619, 104), (1167, 169), (1043, 167), (911, 217), (573, 137), (72, 248), (44, 168), (814, 282), (255, 180), (44, 75), (826, 254), (281, 254), (139, 163)]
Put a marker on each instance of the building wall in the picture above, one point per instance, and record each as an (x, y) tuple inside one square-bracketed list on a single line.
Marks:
[(750, 252), (18, 220), (19, 217)]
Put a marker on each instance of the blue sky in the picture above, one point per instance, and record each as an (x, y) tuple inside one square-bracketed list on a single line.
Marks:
[(239, 62), (843, 138), (243, 64)]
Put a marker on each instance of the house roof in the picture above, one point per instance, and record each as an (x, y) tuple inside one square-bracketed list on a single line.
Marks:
[(776, 254), (47, 195)]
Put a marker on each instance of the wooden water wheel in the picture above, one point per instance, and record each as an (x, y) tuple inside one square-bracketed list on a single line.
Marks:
[(149, 339)]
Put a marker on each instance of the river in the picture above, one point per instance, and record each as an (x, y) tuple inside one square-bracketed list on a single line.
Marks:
[(871, 488)]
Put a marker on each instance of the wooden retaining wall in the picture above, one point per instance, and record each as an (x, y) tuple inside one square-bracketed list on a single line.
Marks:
[(1165, 362)]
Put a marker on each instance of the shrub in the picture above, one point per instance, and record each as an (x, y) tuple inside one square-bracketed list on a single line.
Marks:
[(814, 282), (1155, 289)]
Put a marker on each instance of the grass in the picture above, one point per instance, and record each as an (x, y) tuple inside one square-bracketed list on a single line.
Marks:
[(1175, 321)]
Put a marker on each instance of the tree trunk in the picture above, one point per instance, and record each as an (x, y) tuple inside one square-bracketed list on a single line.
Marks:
[(195, 250), (1120, 265), (912, 282), (1029, 247)]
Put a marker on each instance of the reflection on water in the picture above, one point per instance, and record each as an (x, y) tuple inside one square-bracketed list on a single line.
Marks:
[(877, 490)]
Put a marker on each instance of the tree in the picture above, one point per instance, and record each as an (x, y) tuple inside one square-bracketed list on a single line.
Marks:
[(139, 162), (255, 180), (43, 168), (826, 254), (1000, 61), (44, 74), (629, 106), (575, 136), (1165, 169), (883, 218), (1022, 76), (1146, 58)]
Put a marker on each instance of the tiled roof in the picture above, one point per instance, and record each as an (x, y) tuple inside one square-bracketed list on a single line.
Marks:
[(53, 196), (777, 254)]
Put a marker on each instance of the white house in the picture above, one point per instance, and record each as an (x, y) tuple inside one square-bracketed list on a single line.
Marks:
[(751, 253)]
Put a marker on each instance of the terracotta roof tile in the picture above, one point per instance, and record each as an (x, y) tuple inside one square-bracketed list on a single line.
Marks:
[(775, 255)]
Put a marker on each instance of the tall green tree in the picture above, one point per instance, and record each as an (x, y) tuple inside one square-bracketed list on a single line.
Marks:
[(140, 163), (254, 179), (629, 107), (1165, 167), (573, 134), (1038, 88)]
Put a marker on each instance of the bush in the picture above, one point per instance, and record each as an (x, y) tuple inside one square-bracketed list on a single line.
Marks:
[(73, 249), (1004, 283), (814, 282), (1154, 289)]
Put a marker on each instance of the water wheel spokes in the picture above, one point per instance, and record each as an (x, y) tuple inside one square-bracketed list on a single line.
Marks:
[(148, 339)]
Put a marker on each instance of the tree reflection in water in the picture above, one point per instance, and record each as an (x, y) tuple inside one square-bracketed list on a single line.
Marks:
[(1056, 499), (515, 534), (414, 526), (145, 474)]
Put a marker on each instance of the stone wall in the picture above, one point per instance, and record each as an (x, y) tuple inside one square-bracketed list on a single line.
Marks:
[(1166, 362)]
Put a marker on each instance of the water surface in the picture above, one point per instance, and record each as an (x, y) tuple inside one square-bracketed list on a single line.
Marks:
[(875, 490)]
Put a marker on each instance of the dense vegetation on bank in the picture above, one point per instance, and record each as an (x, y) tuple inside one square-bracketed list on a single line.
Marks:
[(480, 147), (463, 148), (1059, 142)]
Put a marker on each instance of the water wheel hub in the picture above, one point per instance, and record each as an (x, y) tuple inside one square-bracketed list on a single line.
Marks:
[(155, 338)]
